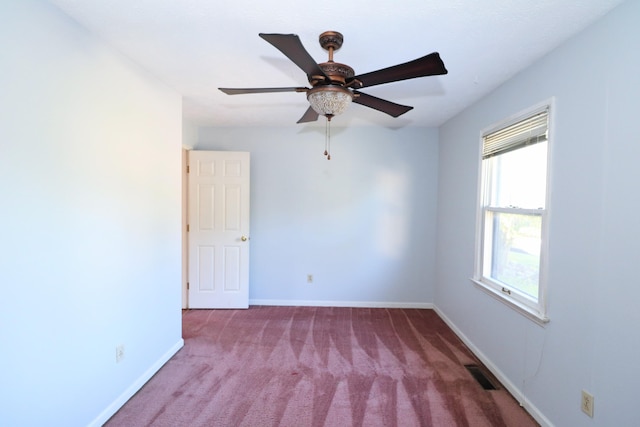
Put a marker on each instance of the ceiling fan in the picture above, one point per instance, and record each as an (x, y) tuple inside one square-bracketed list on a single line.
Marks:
[(334, 85)]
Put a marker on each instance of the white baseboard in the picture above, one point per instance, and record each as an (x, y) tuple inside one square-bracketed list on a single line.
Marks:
[(515, 391), (354, 304), (137, 385)]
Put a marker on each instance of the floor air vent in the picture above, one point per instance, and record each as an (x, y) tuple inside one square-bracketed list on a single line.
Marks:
[(477, 373)]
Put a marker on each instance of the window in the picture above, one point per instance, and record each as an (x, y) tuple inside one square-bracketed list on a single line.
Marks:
[(513, 210)]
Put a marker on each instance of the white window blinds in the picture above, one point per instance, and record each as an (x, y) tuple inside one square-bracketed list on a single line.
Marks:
[(525, 132)]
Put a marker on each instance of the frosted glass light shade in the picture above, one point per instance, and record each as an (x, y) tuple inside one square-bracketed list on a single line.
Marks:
[(329, 100)]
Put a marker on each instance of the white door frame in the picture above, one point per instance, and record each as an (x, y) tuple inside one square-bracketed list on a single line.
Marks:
[(185, 235)]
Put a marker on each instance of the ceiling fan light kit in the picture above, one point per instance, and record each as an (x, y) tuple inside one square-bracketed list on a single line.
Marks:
[(334, 85), (329, 100)]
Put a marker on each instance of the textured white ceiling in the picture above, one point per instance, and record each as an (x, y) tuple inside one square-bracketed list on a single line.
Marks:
[(196, 46)]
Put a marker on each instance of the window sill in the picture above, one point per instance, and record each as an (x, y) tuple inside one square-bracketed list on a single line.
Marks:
[(527, 312)]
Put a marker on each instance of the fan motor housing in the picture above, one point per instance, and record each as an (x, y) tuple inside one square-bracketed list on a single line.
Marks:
[(338, 73)]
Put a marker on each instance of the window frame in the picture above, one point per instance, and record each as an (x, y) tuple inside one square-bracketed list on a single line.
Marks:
[(535, 310)]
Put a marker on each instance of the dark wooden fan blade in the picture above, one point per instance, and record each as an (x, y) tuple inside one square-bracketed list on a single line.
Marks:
[(292, 47), (429, 65), (309, 116), (391, 108), (240, 91)]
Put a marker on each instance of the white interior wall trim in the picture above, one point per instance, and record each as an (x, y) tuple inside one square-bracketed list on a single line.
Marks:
[(352, 304)]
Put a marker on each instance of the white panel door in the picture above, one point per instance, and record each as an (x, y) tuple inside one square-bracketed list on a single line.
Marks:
[(218, 229)]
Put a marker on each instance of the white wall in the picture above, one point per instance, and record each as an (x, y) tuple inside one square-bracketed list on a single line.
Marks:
[(592, 341), (89, 223), (189, 134), (362, 223)]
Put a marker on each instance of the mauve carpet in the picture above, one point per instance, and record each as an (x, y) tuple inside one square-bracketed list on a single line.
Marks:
[(314, 366)]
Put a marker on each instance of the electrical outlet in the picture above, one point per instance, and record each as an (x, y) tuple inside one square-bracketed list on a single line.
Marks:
[(309, 278), (587, 403), (119, 353)]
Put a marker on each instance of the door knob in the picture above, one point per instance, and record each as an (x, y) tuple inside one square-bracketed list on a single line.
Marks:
[(244, 238)]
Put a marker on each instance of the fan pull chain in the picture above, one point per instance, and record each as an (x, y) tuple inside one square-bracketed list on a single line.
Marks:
[(327, 137)]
